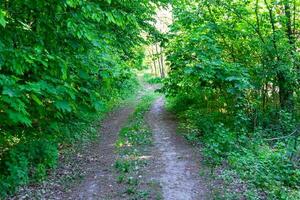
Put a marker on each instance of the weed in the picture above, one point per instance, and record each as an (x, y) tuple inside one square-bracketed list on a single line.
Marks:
[(132, 142)]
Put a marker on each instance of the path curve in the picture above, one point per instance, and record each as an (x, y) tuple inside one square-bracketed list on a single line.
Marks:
[(179, 174)]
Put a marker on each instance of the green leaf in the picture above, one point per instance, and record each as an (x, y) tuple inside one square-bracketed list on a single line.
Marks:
[(2, 18), (99, 105), (64, 70), (54, 126), (36, 99), (188, 70), (63, 106), (9, 92), (18, 117), (110, 17), (72, 3)]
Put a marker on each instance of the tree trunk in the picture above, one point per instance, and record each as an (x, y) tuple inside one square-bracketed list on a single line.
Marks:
[(285, 88), (154, 62), (158, 60), (286, 91), (162, 63)]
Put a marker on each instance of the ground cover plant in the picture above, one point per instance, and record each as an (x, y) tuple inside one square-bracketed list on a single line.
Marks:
[(133, 145), (234, 82)]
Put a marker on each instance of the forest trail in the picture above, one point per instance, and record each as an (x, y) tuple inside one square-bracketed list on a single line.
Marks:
[(178, 164), (175, 166), (174, 163), (100, 183), (80, 119)]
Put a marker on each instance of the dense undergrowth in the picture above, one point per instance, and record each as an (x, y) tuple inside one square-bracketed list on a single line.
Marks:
[(268, 169), (62, 64), (149, 78), (132, 146), (234, 82)]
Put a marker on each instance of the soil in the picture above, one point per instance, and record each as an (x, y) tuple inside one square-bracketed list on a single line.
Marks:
[(177, 162), (100, 183)]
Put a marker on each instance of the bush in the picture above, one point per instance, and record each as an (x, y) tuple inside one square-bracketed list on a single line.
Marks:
[(267, 166), (26, 160), (219, 144), (269, 169), (149, 78)]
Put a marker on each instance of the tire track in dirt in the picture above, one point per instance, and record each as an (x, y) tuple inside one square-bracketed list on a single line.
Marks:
[(178, 164), (100, 182)]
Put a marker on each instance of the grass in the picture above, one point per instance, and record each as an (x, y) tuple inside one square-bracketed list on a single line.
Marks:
[(133, 144)]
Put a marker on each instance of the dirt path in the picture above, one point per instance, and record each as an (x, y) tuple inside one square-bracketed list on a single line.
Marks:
[(177, 163), (100, 182), (172, 172)]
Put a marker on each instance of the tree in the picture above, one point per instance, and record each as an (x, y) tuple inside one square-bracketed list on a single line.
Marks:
[(59, 61)]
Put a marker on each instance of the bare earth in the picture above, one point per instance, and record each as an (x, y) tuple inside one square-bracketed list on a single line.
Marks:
[(177, 162), (100, 182)]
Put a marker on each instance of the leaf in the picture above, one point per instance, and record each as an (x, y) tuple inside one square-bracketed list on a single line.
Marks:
[(36, 99), (233, 78), (99, 105), (64, 70), (2, 18), (188, 70), (63, 106), (18, 117), (72, 3), (54, 126), (110, 17), (9, 92)]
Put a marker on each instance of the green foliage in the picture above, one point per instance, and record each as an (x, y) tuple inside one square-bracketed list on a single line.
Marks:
[(234, 82), (30, 159), (149, 78), (62, 61), (266, 167), (219, 144), (269, 169)]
